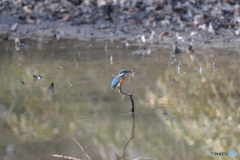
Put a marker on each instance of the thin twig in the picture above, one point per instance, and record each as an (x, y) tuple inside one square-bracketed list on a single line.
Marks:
[(130, 96), (82, 149), (65, 157)]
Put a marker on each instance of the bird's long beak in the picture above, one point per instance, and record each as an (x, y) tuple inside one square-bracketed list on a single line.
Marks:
[(130, 71)]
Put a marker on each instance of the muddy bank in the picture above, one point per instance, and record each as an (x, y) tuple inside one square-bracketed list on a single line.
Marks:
[(157, 22)]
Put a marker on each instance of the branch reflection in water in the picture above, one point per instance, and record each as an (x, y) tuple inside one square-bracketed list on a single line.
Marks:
[(128, 141)]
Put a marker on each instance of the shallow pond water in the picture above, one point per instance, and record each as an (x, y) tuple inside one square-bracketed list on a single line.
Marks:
[(186, 107)]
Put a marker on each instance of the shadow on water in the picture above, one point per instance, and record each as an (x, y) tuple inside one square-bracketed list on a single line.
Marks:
[(184, 109)]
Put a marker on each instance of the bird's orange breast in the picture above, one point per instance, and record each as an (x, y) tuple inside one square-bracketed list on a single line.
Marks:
[(122, 79)]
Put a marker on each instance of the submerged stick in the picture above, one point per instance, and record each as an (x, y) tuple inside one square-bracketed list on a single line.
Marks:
[(82, 149), (130, 96), (65, 157)]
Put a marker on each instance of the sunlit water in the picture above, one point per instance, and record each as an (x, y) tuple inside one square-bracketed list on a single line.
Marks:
[(185, 107)]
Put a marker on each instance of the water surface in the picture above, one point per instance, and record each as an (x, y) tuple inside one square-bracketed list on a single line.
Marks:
[(185, 107)]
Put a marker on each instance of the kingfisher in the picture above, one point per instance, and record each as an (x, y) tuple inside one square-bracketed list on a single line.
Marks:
[(120, 78)]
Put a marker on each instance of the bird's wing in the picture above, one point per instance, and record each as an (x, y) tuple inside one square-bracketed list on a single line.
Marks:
[(115, 81)]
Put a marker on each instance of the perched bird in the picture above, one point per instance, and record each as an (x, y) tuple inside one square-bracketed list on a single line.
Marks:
[(120, 78), (37, 77)]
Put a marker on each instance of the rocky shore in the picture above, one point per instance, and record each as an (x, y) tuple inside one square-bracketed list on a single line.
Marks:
[(153, 21)]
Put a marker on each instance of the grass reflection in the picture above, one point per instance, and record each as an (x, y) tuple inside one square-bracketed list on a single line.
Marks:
[(206, 104)]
